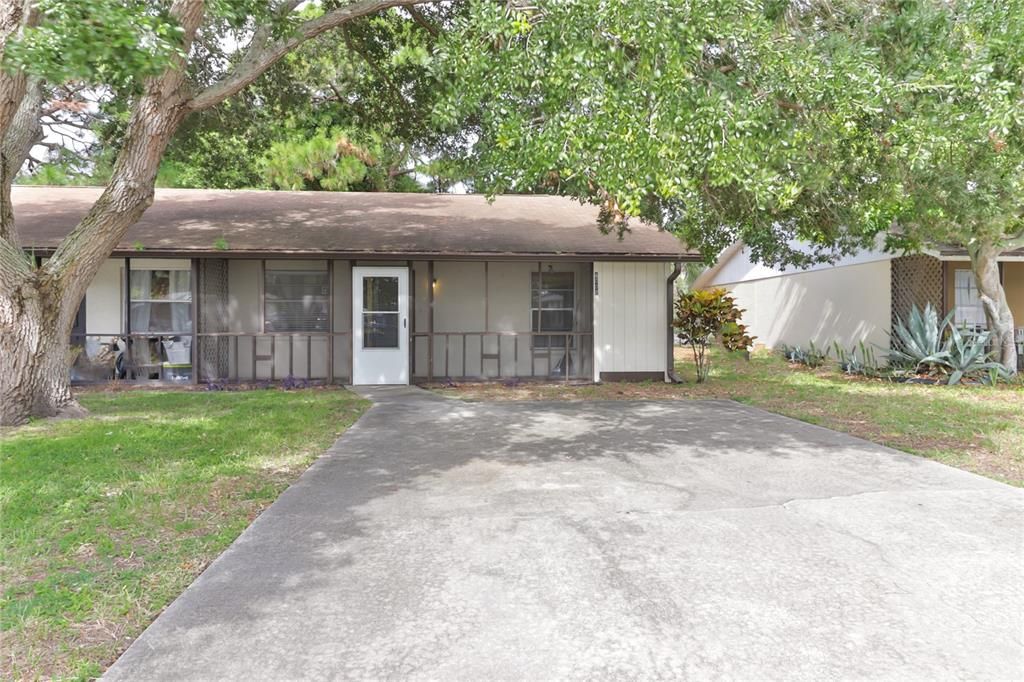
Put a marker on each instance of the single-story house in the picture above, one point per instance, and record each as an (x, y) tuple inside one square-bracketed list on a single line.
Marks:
[(365, 288), (860, 297)]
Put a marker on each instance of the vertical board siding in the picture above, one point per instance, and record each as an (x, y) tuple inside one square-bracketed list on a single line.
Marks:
[(629, 317)]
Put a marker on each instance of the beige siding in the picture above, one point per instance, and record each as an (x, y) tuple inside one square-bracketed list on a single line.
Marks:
[(104, 310), (1013, 282), (847, 304), (630, 317), (244, 315)]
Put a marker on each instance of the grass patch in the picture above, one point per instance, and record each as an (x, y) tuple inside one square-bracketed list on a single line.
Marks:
[(977, 428), (107, 519)]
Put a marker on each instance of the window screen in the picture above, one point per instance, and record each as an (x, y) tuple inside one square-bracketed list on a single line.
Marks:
[(552, 307), (296, 301), (161, 301), (968, 308)]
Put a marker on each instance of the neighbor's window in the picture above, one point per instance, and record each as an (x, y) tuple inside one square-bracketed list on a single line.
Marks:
[(553, 296), (968, 309), (296, 300), (161, 301)]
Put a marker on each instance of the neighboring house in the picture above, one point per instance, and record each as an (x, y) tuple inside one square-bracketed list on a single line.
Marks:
[(860, 297), (365, 288)]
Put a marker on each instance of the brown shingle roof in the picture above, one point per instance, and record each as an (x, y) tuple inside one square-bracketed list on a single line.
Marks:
[(353, 224)]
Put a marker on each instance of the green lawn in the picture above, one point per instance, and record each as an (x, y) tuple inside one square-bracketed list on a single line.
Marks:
[(106, 519), (978, 428)]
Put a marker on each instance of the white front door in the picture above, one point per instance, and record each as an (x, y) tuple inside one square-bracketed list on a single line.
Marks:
[(380, 325)]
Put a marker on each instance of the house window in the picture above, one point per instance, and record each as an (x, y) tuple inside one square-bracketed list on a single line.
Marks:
[(968, 309), (161, 301), (296, 300), (552, 308)]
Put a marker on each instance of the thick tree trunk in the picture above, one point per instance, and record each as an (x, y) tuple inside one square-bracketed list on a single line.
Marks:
[(37, 305), (34, 351), (985, 264)]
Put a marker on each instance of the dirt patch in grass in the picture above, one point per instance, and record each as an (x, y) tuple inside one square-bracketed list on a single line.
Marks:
[(977, 428), (106, 519)]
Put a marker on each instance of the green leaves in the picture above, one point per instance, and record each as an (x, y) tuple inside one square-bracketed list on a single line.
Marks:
[(688, 114), (727, 120), (99, 42), (703, 315)]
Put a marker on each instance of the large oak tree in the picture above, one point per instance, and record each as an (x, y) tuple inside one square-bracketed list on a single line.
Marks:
[(143, 52)]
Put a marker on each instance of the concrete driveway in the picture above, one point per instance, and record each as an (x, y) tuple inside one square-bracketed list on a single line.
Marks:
[(541, 541)]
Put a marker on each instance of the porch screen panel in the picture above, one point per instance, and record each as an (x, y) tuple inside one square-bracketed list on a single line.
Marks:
[(161, 301), (214, 351), (296, 300), (552, 307)]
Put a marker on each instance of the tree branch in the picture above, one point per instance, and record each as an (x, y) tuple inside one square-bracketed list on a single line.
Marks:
[(374, 66), (155, 117), (420, 19), (264, 52), (15, 17), (24, 131)]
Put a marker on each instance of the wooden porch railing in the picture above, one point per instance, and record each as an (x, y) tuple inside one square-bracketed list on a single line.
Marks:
[(573, 351), (274, 356), (141, 357)]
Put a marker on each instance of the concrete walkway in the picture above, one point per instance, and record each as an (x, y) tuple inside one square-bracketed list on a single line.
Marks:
[(614, 540)]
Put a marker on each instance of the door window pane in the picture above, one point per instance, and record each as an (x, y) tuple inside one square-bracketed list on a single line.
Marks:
[(380, 294), (380, 330)]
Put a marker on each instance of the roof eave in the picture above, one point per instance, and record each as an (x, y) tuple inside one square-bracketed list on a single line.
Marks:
[(387, 255)]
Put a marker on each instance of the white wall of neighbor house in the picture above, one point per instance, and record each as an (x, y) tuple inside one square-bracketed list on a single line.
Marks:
[(846, 304), (741, 267), (630, 317)]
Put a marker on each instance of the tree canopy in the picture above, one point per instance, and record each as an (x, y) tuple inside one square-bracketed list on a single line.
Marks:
[(827, 124)]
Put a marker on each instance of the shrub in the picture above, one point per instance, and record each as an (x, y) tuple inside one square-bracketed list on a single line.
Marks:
[(859, 360), (703, 315), (812, 356)]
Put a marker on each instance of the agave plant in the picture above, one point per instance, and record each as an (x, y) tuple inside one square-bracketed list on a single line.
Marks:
[(921, 339), (967, 355), (858, 360), (812, 356)]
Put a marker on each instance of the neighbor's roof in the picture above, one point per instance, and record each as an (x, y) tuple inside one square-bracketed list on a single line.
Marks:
[(353, 224)]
